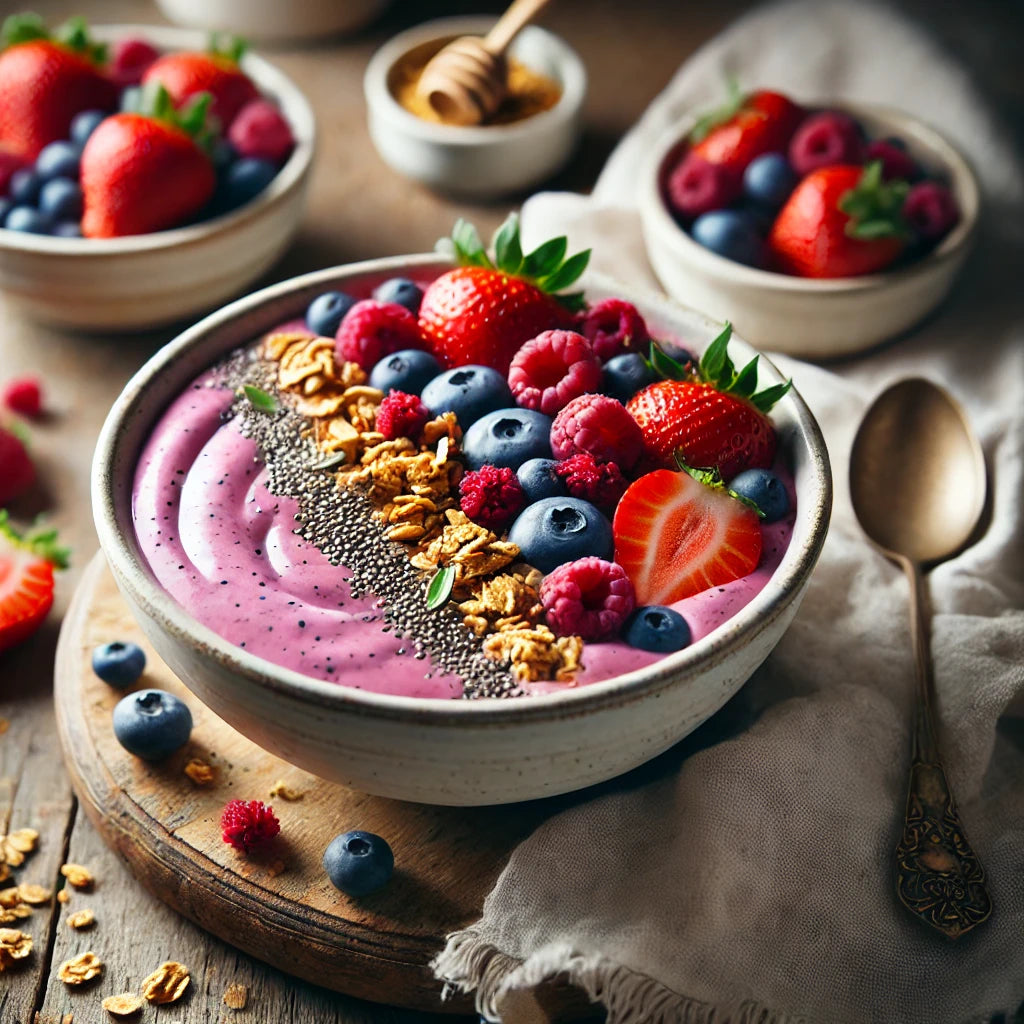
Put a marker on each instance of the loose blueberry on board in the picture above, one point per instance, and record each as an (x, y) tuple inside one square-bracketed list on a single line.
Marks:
[(508, 437), (538, 479), (401, 290), (119, 664), (325, 313), (358, 863), (61, 200), (730, 233), (627, 374), (152, 724), (468, 391), (768, 180), (765, 490), (554, 531), (657, 628), (84, 124), (27, 219), (58, 160), (409, 370)]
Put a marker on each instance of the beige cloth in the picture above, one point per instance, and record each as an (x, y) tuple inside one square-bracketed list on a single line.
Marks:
[(748, 874)]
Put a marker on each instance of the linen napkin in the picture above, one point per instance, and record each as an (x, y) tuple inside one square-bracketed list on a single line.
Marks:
[(748, 874)]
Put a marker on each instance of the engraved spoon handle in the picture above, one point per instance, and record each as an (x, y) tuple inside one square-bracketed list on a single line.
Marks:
[(938, 876)]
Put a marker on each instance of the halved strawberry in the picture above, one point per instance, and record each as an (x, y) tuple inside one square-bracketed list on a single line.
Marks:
[(26, 580), (482, 311), (676, 536)]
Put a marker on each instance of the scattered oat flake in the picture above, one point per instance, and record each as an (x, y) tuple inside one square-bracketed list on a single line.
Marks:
[(166, 984), (77, 876), (8, 915), (37, 895), (123, 1005), (201, 773), (84, 918), (285, 792), (236, 996), (80, 969), (23, 839), (14, 945), (10, 897)]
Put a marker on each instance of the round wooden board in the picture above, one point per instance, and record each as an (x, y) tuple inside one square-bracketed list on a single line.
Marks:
[(166, 827)]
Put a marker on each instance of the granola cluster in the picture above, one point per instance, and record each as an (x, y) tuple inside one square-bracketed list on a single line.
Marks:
[(414, 489)]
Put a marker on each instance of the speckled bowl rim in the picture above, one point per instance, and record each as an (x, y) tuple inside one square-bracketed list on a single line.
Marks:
[(271, 81), (382, 103), (111, 500), (658, 219)]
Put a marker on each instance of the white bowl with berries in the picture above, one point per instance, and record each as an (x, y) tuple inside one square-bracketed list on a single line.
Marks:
[(144, 177), (509, 577), (820, 230)]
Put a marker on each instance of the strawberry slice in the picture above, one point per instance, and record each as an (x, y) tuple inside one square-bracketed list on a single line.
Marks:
[(26, 580), (676, 536)]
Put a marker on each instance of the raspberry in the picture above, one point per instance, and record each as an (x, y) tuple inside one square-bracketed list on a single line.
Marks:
[(491, 496), (401, 415), (614, 327), (24, 396), (260, 131), (16, 469), (589, 598), (931, 210), (896, 162), (246, 825), (552, 369), (600, 483), (825, 139), (697, 186), (600, 426), (129, 60), (372, 330)]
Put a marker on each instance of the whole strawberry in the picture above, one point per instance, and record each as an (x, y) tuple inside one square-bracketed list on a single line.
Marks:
[(215, 71), (711, 419), (481, 312), (146, 172), (45, 81)]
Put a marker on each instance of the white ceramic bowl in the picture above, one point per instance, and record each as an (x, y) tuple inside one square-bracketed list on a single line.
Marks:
[(801, 316), (143, 281), (485, 160), (444, 751)]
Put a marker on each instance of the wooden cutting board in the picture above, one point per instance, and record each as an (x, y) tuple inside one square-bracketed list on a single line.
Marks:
[(279, 906)]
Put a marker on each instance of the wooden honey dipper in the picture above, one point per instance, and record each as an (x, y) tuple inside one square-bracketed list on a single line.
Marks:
[(466, 81)]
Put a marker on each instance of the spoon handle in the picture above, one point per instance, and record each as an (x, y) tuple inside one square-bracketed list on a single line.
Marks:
[(938, 876), (518, 14)]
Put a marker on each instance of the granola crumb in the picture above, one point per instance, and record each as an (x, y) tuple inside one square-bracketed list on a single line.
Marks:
[(276, 868), (5, 724), (201, 773), (166, 984), (236, 996), (80, 919), (78, 876), (14, 945), (123, 1005), (80, 969), (285, 792), (36, 895), (63, 896)]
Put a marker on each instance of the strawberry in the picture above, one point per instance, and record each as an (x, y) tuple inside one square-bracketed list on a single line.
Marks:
[(16, 470), (710, 417), (482, 311), (145, 173), (677, 534), (747, 126), (45, 82), (840, 221), (216, 71), (26, 580)]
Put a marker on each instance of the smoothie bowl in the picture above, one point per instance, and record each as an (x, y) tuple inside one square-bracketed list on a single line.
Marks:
[(332, 565)]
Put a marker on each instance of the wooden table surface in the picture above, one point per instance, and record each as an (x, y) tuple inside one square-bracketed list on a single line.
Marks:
[(358, 209)]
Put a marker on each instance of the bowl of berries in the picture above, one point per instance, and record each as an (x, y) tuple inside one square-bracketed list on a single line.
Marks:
[(146, 174), (820, 230), (439, 529)]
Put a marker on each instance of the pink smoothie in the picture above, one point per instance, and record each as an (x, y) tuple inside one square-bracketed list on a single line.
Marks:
[(223, 546)]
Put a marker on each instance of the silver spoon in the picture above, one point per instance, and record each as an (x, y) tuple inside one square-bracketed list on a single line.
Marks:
[(917, 481)]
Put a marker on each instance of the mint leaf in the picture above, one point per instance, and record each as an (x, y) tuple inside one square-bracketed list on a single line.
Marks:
[(260, 400), (337, 459), (440, 587)]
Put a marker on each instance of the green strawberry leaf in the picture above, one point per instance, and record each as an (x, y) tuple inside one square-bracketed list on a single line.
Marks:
[(661, 363), (41, 542), (715, 365), (469, 248), (260, 400), (231, 48), (566, 274), (193, 118), (875, 207), (440, 587), (508, 253), (543, 260), (74, 34), (745, 383), (572, 301), (708, 122), (764, 400), (713, 479), (23, 28)]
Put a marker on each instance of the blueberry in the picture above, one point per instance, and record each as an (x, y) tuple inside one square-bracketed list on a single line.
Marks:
[(657, 628), (401, 290), (119, 663), (61, 199), (28, 219), (84, 124), (468, 391), (765, 490), (507, 437), (768, 180), (67, 229), (325, 313), (222, 153), (409, 370), (58, 160), (244, 180), (627, 374), (152, 724), (358, 863), (554, 531), (538, 479), (24, 186), (5, 208), (730, 233)]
